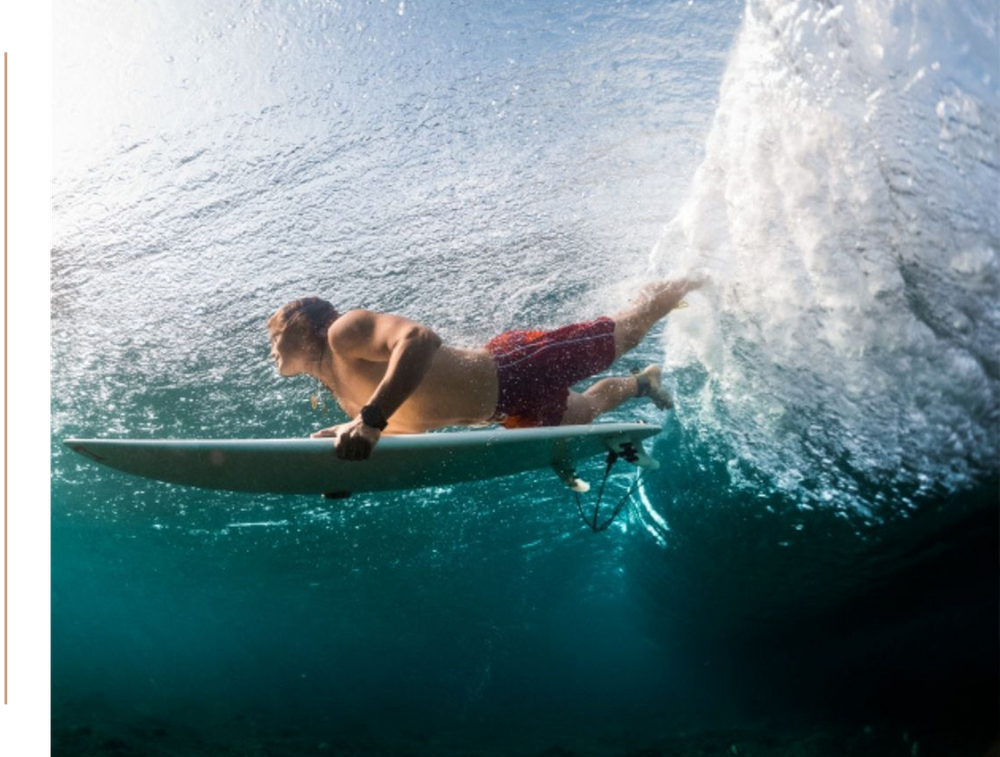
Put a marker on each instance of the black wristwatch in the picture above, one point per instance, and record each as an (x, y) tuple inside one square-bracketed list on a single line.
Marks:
[(372, 415)]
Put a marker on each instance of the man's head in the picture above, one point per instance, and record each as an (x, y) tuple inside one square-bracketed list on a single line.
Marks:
[(298, 333)]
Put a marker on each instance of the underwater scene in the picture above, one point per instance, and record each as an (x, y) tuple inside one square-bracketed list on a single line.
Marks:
[(813, 568)]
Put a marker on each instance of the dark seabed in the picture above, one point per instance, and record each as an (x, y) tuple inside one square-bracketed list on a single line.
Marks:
[(813, 571)]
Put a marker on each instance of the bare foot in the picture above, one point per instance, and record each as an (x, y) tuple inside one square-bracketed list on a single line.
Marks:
[(650, 384), (694, 280), (670, 293)]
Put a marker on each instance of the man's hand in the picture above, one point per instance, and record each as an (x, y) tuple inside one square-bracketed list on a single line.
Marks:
[(352, 440)]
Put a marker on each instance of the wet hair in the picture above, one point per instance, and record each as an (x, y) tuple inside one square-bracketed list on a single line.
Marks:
[(303, 323)]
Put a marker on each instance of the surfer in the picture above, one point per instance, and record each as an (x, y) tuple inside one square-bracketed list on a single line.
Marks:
[(393, 375)]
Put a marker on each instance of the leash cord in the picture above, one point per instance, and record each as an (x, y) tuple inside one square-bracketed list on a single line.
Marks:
[(592, 522)]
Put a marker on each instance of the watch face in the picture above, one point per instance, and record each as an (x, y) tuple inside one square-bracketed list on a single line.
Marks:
[(371, 415)]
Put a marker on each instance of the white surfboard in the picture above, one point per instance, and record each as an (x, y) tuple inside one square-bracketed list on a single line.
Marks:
[(310, 466)]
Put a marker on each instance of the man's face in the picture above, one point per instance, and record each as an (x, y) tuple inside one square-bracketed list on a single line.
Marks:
[(288, 361)]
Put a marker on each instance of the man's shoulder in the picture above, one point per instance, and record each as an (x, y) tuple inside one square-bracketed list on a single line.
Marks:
[(370, 335), (360, 317), (359, 325), (353, 323)]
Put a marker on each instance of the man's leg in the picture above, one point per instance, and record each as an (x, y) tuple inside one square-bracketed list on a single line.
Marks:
[(655, 301), (609, 393)]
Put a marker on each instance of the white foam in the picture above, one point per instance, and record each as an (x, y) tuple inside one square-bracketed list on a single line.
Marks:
[(847, 208)]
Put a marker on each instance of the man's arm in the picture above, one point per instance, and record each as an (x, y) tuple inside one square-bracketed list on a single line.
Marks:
[(405, 345)]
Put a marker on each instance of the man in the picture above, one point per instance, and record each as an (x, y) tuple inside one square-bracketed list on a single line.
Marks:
[(392, 375)]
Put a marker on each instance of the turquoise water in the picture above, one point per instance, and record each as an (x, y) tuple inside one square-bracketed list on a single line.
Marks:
[(814, 568)]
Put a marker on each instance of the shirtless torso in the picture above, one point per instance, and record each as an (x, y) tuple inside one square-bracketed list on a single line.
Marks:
[(368, 358), (459, 389)]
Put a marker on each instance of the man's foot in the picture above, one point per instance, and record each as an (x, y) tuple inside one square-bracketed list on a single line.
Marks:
[(670, 293), (650, 384)]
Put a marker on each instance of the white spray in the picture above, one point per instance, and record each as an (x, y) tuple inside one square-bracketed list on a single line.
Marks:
[(847, 208)]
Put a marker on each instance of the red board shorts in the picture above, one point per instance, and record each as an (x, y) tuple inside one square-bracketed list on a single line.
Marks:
[(535, 369)]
